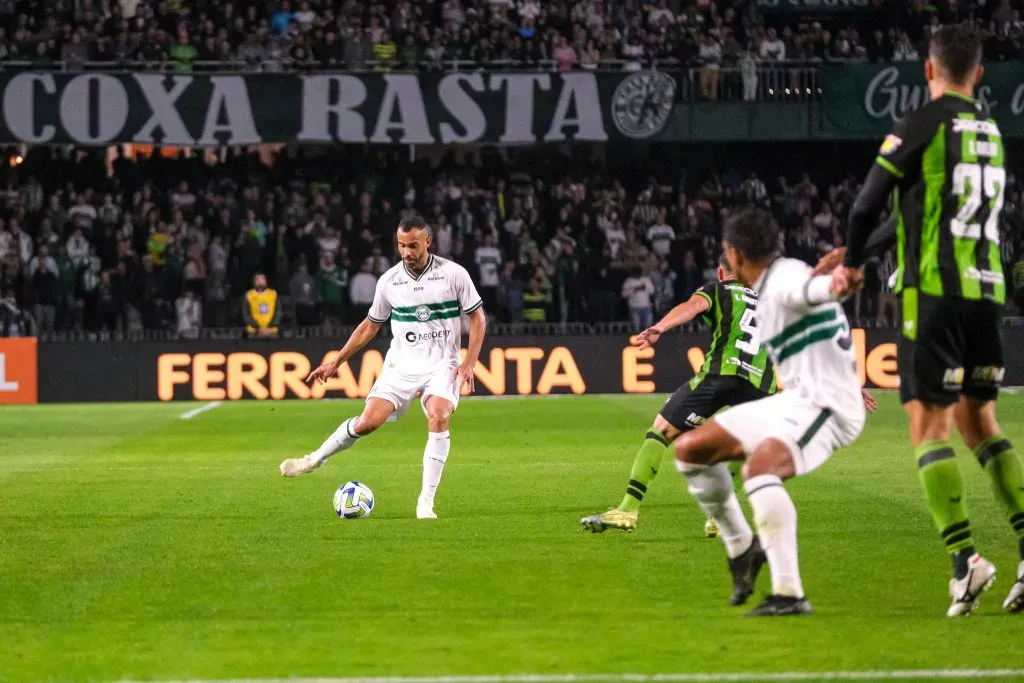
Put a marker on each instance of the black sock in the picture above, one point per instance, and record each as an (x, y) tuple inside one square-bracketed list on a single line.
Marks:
[(960, 560)]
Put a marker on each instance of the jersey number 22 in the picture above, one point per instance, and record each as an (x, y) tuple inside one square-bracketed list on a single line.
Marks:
[(970, 182)]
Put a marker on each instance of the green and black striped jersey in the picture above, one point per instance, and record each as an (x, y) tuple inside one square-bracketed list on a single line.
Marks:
[(736, 348), (949, 161)]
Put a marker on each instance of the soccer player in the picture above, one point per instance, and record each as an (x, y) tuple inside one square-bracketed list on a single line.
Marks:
[(944, 167), (424, 296), (784, 435), (736, 369)]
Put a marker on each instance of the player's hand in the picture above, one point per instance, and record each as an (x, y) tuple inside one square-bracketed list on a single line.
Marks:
[(463, 376), (326, 370), (869, 401), (647, 338), (829, 261), (846, 281)]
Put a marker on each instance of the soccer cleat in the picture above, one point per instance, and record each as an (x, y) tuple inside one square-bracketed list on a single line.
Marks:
[(781, 606), (613, 519), (1015, 600), (744, 569), (293, 467), (425, 510), (711, 528), (966, 592)]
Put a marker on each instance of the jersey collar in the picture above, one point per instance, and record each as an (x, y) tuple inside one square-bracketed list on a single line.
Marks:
[(762, 281), (959, 96), (430, 262)]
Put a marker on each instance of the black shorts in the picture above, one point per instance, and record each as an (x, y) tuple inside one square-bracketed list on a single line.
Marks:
[(690, 406), (954, 347)]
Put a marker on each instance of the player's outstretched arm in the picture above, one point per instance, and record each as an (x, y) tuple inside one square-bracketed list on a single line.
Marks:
[(360, 337), (477, 330), (680, 315)]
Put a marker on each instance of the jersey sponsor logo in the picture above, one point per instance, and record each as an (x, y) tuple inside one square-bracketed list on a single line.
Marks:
[(435, 277), (987, 276), (890, 144), (953, 379), (399, 283), (989, 374), (438, 335), (975, 126)]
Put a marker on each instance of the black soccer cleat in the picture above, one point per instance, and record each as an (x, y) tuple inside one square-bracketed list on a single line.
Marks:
[(781, 606), (744, 570)]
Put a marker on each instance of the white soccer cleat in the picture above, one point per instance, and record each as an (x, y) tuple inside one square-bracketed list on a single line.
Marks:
[(1015, 600), (966, 592), (293, 467), (425, 510)]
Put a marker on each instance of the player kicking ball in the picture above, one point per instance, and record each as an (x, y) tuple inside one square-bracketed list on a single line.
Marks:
[(782, 436), (424, 296), (736, 369)]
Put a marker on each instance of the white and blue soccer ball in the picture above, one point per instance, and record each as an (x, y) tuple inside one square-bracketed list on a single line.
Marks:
[(353, 500)]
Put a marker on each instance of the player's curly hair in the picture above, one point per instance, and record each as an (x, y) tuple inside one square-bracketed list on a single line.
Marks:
[(753, 233), (958, 49)]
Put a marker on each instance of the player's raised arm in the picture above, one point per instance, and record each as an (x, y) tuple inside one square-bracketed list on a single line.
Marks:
[(380, 311), (699, 303), (359, 338)]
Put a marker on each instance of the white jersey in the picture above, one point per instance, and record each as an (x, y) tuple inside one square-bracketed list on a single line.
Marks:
[(425, 313), (809, 342)]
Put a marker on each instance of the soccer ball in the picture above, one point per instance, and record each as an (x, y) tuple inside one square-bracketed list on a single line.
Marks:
[(353, 500)]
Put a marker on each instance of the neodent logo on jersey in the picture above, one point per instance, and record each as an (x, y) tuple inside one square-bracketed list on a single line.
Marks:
[(439, 335)]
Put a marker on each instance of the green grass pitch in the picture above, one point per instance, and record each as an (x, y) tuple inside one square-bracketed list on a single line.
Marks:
[(134, 544)]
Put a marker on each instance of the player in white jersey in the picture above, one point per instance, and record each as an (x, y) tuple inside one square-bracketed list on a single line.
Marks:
[(424, 296), (820, 408)]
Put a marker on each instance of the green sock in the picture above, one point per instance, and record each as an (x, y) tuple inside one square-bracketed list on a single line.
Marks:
[(645, 466), (944, 490), (1003, 465)]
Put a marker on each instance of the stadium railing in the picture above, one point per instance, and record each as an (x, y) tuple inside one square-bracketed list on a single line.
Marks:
[(789, 80)]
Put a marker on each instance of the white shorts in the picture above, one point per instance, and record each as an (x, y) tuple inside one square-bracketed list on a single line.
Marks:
[(400, 387), (811, 431)]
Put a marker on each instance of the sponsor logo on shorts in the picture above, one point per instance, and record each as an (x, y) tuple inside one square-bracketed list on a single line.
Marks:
[(695, 420), (988, 374), (436, 336), (953, 379)]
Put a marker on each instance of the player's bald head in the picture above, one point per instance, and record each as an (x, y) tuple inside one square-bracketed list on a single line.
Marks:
[(955, 50)]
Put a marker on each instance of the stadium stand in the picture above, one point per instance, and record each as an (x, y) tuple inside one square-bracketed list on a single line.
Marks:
[(171, 241)]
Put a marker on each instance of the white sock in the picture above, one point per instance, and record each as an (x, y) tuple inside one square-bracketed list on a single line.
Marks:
[(712, 487), (343, 437), (434, 456), (775, 517)]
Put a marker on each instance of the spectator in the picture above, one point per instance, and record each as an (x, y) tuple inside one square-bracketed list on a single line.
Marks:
[(189, 313), (332, 288), (261, 309), (46, 295), (303, 292), (638, 291), (362, 289), (488, 260), (535, 302)]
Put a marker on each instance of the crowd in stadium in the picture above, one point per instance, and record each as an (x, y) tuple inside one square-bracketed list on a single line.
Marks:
[(174, 244), (561, 34)]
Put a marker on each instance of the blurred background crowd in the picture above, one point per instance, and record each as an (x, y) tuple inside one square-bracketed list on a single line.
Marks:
[(559, 34), (93, 239)]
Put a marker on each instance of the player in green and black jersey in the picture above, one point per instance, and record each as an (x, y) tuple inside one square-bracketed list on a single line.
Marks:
[(944, 168), (736, 369)]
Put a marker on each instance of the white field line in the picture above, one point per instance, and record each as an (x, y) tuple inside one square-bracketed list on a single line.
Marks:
[(883, 675), (200, 410)]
